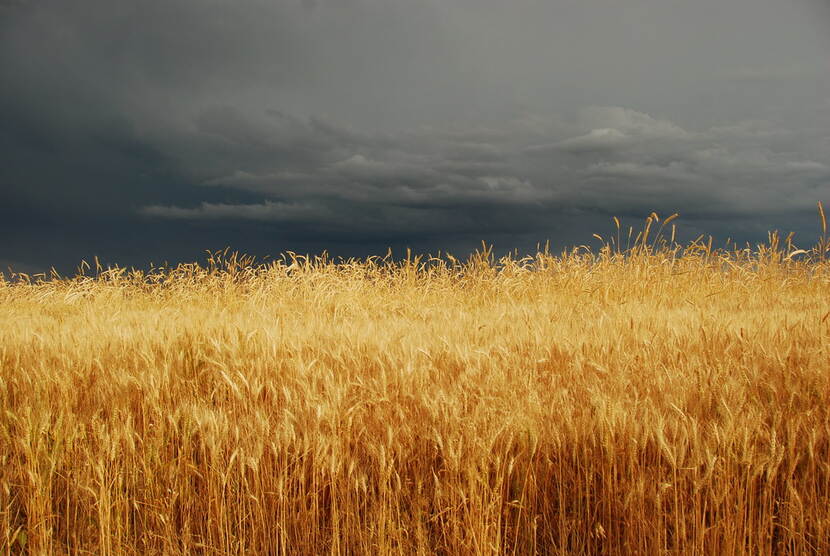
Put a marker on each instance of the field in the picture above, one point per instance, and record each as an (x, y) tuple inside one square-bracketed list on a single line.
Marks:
[(640, 398)]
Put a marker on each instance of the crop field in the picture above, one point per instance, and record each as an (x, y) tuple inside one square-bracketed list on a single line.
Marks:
[(643, 397)]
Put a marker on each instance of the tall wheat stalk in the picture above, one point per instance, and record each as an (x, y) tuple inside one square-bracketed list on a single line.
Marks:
[(657, 399)]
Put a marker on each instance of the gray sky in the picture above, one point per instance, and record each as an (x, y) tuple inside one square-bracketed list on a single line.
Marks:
[(153, 130)]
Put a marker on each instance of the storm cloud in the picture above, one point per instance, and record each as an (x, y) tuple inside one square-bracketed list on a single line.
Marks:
[(155, 130)]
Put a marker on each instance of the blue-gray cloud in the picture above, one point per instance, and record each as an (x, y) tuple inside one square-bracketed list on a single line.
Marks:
[(163, 126)]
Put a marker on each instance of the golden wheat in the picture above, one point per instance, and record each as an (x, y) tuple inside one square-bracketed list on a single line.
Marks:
[(648, 400)]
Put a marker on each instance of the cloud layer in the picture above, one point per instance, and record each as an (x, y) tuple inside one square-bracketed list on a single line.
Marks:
[(609, 159)]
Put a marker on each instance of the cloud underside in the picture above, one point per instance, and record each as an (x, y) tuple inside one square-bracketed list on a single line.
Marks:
[(608, 160)]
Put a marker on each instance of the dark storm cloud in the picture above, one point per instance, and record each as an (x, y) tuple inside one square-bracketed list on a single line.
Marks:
[(150, 129)]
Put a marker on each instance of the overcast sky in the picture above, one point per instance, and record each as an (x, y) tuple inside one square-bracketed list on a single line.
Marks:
[(153, 130)]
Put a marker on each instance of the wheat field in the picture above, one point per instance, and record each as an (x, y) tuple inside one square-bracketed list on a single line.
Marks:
[(642, 397)]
